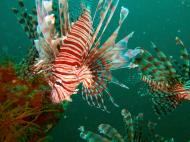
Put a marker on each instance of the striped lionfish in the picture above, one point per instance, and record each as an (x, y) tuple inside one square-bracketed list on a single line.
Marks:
[(136, 130), (167, 79), (73, 52)]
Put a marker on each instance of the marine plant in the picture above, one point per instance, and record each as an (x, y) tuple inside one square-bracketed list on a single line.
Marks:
[(26, 112)]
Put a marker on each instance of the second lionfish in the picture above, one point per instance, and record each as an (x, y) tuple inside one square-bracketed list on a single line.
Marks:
[(136, 129), (73, 53), (168, 80)]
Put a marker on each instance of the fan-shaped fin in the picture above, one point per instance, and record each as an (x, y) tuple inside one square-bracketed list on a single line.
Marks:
[(110, 132)]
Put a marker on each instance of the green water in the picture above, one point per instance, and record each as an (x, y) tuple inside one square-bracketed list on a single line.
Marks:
[(159, 21)]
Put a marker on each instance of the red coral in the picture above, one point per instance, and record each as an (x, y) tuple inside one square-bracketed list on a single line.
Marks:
[(29, 104)]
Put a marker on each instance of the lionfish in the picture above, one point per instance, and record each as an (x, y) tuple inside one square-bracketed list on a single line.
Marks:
[(73, 53), (136, 130), (167, 79)]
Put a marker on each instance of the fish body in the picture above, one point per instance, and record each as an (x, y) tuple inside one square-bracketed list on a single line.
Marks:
[(68, 70), (82, 60), (70, 54), (167, 80)]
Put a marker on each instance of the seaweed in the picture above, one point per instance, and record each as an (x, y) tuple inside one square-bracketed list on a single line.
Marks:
[(27, 114)]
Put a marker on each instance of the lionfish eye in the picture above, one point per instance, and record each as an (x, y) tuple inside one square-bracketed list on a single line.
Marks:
[(76, 66), (58, 83)]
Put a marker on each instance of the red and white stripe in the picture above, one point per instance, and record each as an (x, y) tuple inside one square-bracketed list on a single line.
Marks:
[(67, 67)]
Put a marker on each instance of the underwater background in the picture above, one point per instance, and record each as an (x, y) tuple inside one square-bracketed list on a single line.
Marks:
[(159, 21)]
